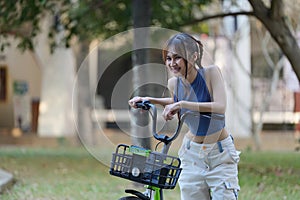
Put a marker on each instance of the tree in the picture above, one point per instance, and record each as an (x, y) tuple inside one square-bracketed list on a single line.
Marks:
[(94, 18), (279, 26), (89, 19), (275, 21), (141, 18), (85, 20), (21, 20)]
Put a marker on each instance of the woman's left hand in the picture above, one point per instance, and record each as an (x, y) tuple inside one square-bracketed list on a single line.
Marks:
[(170, 110)]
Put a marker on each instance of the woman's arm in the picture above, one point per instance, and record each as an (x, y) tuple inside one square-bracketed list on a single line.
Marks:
[(217, 92), (154, 100), (160, 101), (168, 100)]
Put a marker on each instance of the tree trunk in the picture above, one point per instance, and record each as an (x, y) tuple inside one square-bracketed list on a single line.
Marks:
[(83, 96), (141, 18), (273, 20)]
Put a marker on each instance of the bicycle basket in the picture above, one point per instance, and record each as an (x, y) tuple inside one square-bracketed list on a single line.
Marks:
[(143, 166)]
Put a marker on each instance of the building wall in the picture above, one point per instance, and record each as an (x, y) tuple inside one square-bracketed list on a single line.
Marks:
[(50, 81), (21, 66), (238, 67)]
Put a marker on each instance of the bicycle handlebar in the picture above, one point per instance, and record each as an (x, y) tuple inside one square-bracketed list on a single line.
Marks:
[(146, 105)]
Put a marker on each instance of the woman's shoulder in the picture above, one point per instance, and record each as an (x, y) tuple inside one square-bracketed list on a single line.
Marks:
[(172, 80), (171, 83), (211, 70), (213, 74)]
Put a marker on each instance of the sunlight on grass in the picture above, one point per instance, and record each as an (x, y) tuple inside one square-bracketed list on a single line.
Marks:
[(72, 173)]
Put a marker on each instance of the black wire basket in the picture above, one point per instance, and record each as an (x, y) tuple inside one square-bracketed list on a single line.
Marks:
[(143, 166)]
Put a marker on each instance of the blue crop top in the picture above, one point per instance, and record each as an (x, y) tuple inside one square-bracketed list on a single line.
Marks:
[(197, 91)]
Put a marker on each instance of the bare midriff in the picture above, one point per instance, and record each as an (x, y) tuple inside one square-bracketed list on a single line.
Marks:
[(208, 139)]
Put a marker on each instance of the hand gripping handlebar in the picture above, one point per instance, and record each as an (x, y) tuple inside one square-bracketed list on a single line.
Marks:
[(146, 105)]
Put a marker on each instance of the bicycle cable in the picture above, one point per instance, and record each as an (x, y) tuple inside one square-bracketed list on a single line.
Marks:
[(155, 149)]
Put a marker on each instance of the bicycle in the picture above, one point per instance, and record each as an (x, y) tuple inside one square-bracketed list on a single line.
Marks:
[(157, 170)]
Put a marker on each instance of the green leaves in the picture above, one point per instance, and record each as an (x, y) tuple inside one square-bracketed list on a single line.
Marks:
[(21, 20), (85, 19)]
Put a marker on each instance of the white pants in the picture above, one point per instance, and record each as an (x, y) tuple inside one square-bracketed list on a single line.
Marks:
[(209, 171)]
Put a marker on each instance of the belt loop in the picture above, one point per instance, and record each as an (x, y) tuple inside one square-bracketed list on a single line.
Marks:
[(220, 146), (232, 138), (188, 144)]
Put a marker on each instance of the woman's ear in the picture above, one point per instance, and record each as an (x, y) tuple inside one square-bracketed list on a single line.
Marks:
[(195, 56)]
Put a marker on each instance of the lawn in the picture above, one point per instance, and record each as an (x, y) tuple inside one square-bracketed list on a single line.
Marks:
[(72, 173)]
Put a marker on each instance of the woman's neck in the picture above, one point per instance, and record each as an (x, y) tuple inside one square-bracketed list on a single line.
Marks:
[(192, 74)]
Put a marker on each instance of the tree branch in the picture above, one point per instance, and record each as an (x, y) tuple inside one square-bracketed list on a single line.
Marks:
[(219, 15), (274, 23), (15, 33), (276, 9), (258, 6), (279, 31)]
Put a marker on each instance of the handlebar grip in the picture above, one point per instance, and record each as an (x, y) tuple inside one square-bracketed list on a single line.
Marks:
[(145, 105)]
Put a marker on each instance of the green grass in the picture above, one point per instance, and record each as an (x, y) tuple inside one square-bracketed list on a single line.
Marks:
[(270, 175), (71, 173)]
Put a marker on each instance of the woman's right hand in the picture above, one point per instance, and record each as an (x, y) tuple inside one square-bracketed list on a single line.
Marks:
[(170, 110), (132, 102)]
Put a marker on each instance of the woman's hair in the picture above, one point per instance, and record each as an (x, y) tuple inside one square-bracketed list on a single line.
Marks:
[(184, 45)]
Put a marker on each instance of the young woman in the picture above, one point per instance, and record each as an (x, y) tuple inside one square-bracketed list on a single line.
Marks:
[(208, 155)]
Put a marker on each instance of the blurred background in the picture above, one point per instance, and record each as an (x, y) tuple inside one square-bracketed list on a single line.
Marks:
[(68, 68), (45, 43)]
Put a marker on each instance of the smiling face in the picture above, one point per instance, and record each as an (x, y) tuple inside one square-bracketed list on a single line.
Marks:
[(176, 64), (180, 54)]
